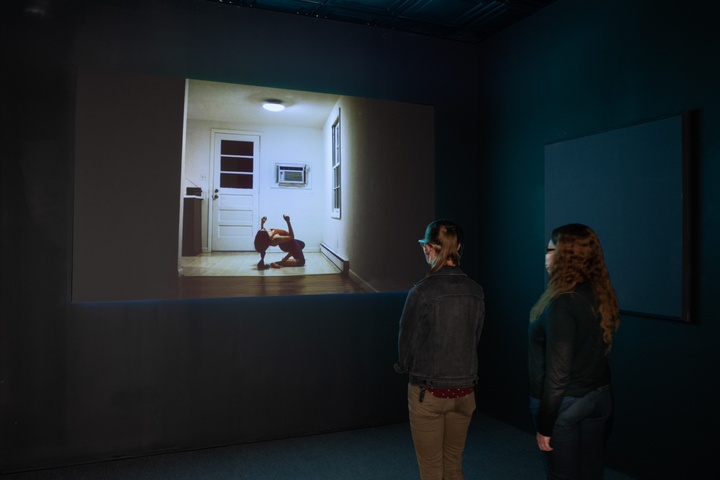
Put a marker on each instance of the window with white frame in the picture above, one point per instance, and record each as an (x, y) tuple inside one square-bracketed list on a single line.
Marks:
[(336, 177)]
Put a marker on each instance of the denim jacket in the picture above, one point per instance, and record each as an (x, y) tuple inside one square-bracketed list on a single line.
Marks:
[(440, 329)]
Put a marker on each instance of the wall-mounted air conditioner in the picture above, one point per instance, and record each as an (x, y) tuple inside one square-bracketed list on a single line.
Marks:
[(287, 174)]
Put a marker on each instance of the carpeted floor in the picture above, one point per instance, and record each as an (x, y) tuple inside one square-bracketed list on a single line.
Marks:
[(494, 451)]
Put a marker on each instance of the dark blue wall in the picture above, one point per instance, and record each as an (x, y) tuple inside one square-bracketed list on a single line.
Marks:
[(86, 382), (573, 69)]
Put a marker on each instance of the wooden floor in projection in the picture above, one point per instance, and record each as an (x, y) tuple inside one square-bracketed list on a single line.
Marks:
[(235, 274)]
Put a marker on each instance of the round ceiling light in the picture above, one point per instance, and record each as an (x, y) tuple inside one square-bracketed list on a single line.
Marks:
[(273, 105)]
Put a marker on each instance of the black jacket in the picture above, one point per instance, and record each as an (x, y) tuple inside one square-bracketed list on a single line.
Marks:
[(566, 353), (440, 330)]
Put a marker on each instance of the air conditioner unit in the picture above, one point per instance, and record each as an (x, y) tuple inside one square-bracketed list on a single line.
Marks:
[(291, 174)]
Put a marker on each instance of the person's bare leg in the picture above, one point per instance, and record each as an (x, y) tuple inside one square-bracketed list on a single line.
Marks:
[(287, 261)]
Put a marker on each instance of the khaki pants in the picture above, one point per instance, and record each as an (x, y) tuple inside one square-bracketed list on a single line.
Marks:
[(439, 428)]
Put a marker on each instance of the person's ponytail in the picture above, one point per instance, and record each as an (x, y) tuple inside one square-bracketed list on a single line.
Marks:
[(445, 238)]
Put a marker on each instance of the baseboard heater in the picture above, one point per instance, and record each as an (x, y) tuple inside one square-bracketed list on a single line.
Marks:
[(342, 264)]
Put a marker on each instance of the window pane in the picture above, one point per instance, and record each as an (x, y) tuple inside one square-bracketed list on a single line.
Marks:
[(336, 198), (236, 180), (232, 147), (235, 164)]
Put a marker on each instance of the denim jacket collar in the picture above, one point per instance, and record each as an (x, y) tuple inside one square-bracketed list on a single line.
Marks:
[(446, 270)]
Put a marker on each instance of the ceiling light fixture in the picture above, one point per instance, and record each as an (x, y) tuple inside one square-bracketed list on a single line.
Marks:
[(273, 105)]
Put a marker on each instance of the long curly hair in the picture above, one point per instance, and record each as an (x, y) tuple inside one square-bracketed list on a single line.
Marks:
[(579, 259)]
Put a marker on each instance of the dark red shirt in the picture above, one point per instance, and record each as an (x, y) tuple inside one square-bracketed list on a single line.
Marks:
[(451, 392)]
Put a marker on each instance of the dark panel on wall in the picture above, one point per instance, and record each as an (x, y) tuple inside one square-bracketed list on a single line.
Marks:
[(627, 185)]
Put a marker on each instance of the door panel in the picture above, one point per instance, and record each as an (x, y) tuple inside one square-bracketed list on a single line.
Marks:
[(234, 202)]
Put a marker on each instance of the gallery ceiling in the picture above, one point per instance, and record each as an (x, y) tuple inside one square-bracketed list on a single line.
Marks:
[(470, 21)]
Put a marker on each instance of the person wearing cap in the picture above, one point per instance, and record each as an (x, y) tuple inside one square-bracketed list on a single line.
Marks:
[(285, 239), (440, 330)]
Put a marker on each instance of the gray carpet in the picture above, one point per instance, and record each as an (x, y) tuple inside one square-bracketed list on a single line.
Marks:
[(494, 451)]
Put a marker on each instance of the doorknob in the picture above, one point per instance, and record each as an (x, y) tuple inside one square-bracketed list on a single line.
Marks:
[(215, 197)]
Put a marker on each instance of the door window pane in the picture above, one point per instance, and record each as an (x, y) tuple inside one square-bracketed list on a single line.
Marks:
[(234, 147), (236, 164), (236, 180)]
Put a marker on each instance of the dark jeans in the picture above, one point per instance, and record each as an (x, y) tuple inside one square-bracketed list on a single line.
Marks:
[(578, 437)]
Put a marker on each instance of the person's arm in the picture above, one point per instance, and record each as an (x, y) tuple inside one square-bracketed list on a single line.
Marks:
[(408, 330), (559, 354), (277, 238), (290, 229)]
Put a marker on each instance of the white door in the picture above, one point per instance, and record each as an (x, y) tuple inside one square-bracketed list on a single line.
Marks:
[(234, 192)]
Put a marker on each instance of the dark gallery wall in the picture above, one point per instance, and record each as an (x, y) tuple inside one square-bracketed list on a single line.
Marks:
[(92, 381), (576, 68)]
